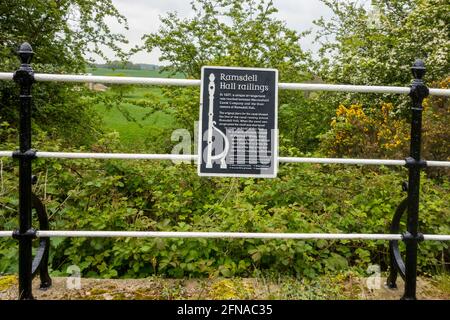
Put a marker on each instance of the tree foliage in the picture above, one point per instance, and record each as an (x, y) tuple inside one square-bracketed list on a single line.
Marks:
[(231, 33), (378, 46), (62, 33), (237, 33)]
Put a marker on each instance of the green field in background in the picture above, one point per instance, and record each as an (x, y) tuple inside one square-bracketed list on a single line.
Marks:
[(134, 135), (132, 73)]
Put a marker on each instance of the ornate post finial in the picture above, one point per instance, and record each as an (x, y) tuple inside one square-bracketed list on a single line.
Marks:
[(25, 53), (418, 69), (419, 90), (25, 75)]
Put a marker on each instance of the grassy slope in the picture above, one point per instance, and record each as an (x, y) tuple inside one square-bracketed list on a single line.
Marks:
[(134, 134), (132, 73)]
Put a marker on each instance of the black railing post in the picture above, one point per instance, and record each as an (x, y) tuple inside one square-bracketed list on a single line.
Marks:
[(24, 76), (419, 91)]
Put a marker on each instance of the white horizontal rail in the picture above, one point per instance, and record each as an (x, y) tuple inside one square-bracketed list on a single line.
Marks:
[(130, 156), (44, 77), (344, 161), (356, 88), (4, 234), (225, 235), (190, 157), (359, 161), (6, 154), (438, 163), (343, 88), (193, 82), (437, 237), (162, 234)]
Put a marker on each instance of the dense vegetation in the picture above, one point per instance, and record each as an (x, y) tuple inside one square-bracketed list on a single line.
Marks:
[(163, 196)]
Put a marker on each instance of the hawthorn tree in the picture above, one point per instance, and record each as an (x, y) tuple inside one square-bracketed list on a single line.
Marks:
[(377, 46)]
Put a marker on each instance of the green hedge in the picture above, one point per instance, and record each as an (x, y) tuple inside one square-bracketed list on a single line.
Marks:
[(161, 196)]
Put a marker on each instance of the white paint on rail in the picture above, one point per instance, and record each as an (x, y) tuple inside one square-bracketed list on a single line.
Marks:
[(194, 82), (190, 157), (236, 235), (226, 235)]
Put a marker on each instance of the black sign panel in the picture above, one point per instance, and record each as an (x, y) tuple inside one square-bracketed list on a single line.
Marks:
[(238, 134)]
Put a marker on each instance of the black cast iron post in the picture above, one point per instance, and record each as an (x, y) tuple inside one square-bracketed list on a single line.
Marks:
[(24, 76), (419, 91)]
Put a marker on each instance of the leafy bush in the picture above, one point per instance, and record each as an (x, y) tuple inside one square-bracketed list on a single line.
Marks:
[(374, 133), (383, 132), (436, 133), (161, 196)]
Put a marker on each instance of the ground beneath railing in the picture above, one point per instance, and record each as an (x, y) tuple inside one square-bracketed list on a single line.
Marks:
[(286, 288)]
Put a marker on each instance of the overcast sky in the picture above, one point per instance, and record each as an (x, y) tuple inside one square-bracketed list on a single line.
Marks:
[(143, 17)]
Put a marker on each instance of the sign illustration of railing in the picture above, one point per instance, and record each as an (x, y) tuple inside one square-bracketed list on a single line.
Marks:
[(28, 267)]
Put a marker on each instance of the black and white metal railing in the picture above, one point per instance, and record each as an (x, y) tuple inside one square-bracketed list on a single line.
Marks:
[(25, 77), (44, 77), (194, 157), (225, 235)]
